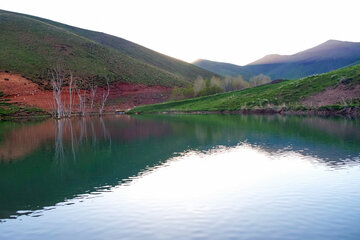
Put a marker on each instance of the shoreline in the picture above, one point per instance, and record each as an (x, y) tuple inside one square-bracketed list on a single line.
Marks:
[(346, 112)]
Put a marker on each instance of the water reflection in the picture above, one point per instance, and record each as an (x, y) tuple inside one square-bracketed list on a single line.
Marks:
[(78, 133), (46, 163)]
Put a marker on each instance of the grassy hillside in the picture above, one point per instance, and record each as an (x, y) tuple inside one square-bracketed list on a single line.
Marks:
[(287, 95), (172, 65), (9, 111), (30, 46)]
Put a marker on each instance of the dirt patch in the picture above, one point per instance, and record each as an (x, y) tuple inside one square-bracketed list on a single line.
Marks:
[(331, 96), (123, 96), (15, 85)]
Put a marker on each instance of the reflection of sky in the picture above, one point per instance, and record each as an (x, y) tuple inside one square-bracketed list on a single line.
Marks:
[(226, 192), (80, 156)]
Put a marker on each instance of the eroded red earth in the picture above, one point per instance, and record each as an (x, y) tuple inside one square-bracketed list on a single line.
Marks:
[(123, 96)]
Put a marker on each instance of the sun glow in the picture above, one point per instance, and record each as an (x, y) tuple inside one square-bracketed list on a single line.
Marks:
[(199, 176)]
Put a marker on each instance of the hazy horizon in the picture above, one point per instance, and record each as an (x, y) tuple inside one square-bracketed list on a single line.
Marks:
[(227, 31)]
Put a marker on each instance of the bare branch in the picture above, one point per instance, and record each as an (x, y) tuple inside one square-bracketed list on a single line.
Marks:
[(104, 97), (93, 89)]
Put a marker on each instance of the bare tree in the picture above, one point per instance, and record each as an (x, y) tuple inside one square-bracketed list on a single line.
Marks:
[(93, 89), (57, 82), (215, 81), (259, 80), (84, 103), (60, 107), (82, 100), (234, 83), (104, 97), (70, 93), (199, 85)]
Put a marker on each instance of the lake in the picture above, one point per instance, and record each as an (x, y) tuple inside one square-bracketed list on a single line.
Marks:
[(180, 177)]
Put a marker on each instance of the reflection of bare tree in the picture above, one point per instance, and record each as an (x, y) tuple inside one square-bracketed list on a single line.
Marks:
[(106, 132), (87, 132), (59, 146), (72, 139), (104, 97), (93, 132)]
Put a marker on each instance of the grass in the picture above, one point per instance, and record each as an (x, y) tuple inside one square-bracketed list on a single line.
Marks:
[(31, 46), (161, 61), (284, 95), (9, 111)]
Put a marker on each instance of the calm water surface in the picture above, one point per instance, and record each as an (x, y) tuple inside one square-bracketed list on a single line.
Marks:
[(181, 177)]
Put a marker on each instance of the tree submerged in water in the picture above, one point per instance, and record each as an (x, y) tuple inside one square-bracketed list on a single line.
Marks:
[(104, 97), (62, 108)]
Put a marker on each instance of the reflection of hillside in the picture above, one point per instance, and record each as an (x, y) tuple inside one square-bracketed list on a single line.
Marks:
[(25, 139), (337, 127), (125, 128), (310, 135), (74, 157)]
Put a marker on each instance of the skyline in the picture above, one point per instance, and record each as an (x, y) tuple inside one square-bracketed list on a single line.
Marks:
[(205, 29)]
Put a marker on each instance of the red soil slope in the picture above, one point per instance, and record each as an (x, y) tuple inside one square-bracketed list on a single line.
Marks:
[(123, 96), (330, 96)]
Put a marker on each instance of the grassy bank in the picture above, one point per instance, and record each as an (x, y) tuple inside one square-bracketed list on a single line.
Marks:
[(286, 96), (10, 111)]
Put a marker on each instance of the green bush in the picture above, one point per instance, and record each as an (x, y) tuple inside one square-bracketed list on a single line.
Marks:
[(210, 90), (182, 93)]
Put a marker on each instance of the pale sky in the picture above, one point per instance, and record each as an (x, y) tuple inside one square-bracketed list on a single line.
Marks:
[(238, 32)]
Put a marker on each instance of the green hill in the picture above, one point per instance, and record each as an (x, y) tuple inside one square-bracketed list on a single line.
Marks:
[(31, 45), (281, 96)]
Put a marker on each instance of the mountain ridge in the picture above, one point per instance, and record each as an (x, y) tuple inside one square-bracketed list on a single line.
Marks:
[(325, 57), (31, 45)]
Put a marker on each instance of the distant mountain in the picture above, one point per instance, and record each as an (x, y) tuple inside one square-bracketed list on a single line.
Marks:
[(325, 57), (224, 69), (31, 45)]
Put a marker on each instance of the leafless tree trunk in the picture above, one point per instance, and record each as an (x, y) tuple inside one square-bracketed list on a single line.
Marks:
[(93, 89), (70, 92), (104, 97), (82, 101), (57, 82)]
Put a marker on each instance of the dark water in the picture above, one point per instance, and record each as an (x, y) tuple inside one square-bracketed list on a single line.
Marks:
[(181, 177)]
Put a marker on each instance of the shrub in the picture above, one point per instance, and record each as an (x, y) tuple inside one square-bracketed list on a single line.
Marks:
[(182, 93), (259, 80), (234, 83)]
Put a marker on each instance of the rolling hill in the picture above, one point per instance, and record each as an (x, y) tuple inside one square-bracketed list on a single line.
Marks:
[(31, 45), (336, 90), (328, 56), (224, 69)]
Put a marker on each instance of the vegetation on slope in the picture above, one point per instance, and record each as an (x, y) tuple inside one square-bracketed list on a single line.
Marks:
[(287, 95), (169, 64), (31, 46), (9, 111), (205, 87)]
